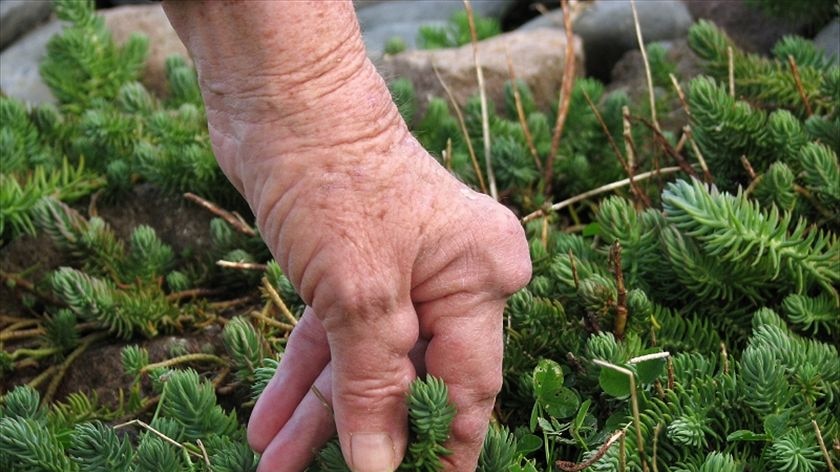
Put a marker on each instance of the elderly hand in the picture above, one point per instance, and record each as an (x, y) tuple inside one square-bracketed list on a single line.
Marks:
[(403, 268)]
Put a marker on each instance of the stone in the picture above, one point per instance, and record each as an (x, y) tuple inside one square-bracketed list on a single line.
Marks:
[(20, 16), (828, 39), (383, 20), (19, 76), (607, 29), (537, 56), (151, 21), (749, 27)]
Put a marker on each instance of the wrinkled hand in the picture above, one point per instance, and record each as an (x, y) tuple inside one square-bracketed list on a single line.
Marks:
[(393, 255), (403, 268)]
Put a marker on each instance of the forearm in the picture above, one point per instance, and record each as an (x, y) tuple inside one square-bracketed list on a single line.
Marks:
[(296, 70)]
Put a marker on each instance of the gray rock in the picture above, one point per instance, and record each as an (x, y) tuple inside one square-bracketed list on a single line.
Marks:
[(828, 39), (383, 20), (537, 56), (19, 16), (19, 76), (607, 30)]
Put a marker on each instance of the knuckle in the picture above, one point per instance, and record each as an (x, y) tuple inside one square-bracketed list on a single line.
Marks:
[(505, 250)]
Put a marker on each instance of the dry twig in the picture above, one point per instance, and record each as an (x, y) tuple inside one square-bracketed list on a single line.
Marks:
[(794, 69), (233, 218), (565, 95)]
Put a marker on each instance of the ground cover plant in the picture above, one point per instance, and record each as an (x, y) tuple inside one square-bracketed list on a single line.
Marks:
[(683, 315)]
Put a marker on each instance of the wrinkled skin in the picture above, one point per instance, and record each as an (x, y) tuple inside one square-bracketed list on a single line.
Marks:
[(404, 269)]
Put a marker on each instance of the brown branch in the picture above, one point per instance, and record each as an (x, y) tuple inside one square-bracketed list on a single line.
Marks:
[(666, 146), (648, 75), (572, 467), (233, 218), (62, 369), (633, 185), (18, 281), (602, 189), (621, 300), (482, 94), (278, 302), (192, 293), (464, 131), (520, 113), (565, 95), (794, 69)]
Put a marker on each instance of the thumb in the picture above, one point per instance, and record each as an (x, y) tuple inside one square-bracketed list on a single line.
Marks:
[(371, 376)]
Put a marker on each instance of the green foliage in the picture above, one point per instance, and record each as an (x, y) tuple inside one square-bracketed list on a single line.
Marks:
[(456, 32), (812, 11)]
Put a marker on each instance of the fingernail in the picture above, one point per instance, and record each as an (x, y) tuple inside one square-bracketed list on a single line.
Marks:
[(372, 452)]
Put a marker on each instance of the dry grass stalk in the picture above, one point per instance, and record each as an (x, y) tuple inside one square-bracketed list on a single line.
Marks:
[(591, 193), (565, 95), (823, 449), (637, 192), (463, 126), (233, 218), (520, 113), (794, 69), (241, 265), (278, 302), (648, 75), (482, 94), (573, 467)]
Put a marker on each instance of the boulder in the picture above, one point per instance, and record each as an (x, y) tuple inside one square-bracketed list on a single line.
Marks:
[(828, 39), (537, 56), (749, 27), (607, 29), (163, 41), (20, 16), (383, 20), (19, 75)]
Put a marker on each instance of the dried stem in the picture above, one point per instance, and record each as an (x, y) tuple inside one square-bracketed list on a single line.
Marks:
[(629, 147), (707, 175), (634, 404), (158, 434), (823, 449), (278, 302), (648, 75), (602, 189), (621, 300), (463, 126), (572, 467), (34, 383), (656, 431), (242, 265), (795, 71), (482, 94), (192, 293), (233, 218), (272, 321), (680, 94), (660, 139), (194, 357), (520, 113), (62, 369), (631, 179), (18, 281), (565, 95)]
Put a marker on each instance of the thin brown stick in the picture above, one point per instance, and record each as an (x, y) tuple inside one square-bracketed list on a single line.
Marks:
[(271, 321), (748, 167), (278, 302), (194, 357), (573, 467), (482, 95), (203, 453), (192, 293), (565, 95), (158, 434), (20, 334), (447, 155), (633, 186), (680, 94), (232, 218), (602, 189), (24, 284), (648, 75), (55, 382), (725, 357), (34, 383), (520, 113), (223, 305), (629, 147), (463, 126), (621, 299), (707, 175), (242, 265), (823, 449), (794, 69), (660, 139), (656, 431)]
